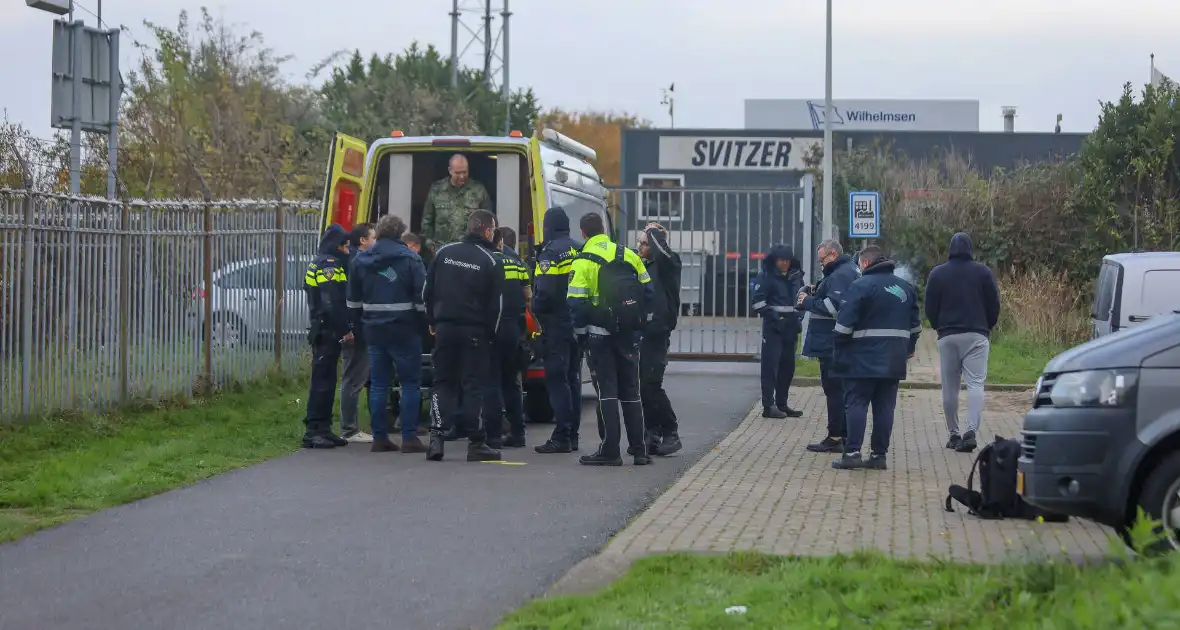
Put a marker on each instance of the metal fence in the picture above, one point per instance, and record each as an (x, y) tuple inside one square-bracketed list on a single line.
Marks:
[(722, 236), (107, 302)]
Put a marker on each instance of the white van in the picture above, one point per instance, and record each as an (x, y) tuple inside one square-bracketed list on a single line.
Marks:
[(1134, 287)]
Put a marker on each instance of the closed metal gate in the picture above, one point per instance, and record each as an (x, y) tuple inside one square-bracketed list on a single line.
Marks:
[(722, 236)]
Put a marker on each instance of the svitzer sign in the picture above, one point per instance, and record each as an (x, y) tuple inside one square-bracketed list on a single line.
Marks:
[(681, 153)]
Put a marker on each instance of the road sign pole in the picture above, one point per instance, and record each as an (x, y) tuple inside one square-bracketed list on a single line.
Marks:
[(828, 226)]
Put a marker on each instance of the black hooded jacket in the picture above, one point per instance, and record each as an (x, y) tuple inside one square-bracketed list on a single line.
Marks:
[(663, 265), (961, 294), (326, 284), (773, 293), (465, 286), (551, 276)]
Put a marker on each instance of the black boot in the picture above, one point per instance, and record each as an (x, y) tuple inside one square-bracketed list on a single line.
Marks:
[(670, 444), (954, 441), (434, 452), (791, 413), (574, 444), (598, 459), (774, 413), (827, 445), (849, 461), (968, 444), (514, 441), (641, 458), (551, 447), (313, 437), (495, 443), (454, 433), (875, 462), (653, 442), (479, 451)]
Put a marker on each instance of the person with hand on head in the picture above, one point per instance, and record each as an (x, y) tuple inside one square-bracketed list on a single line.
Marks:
[(663, 265), (877, 330), (385, 299), (822, 303), (326, 283), (773, 296), (464, 298)]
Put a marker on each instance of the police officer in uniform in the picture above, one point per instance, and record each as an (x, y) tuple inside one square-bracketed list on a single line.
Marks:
[(450, 201), (822, 303), (613, 354), (504, 394), (773, 296), (559, 342), (326, 284), (464, 298), (877, 330)]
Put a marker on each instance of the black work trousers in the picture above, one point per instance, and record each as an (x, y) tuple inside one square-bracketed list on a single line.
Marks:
[(834, 392), (614, 366), (658, 415), (325, 361), (859, 395), (778, 363), (462, 360), (504, 395), (562, 358)]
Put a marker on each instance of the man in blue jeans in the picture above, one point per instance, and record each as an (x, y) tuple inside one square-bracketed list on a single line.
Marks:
[(385, 296)]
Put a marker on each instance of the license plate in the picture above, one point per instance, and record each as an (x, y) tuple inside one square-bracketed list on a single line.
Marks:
[(1019, 483)]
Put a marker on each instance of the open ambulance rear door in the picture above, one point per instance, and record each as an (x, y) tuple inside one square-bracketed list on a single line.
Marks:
[(346, 182)]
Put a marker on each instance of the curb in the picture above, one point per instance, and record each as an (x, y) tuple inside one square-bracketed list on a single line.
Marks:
[(811, 381)]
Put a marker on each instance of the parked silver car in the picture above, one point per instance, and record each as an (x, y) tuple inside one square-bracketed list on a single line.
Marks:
[(244, 301)]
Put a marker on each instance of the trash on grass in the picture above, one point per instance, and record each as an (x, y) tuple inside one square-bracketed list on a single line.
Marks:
[(735, 610)]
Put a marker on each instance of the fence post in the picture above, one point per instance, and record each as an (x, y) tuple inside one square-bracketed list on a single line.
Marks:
[(125, 303), (26, 312), (207, 276), (280, 282)]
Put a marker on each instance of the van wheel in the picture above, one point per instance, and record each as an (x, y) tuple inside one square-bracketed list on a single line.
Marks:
[(1160, 500), (536, 404)]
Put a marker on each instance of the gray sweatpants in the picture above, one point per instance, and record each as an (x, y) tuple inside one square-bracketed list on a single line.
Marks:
[(963, 357), (356, 375)]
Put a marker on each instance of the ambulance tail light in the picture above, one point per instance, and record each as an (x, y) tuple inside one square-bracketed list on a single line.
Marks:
[(344, 214), (535, 374)]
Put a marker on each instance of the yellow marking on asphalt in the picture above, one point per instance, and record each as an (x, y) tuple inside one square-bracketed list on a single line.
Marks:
[(500, 461)]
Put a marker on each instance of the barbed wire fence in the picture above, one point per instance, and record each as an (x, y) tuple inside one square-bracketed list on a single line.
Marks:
[(108, 302)]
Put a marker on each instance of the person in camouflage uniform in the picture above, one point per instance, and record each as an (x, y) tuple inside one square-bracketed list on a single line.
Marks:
[(450, 201)]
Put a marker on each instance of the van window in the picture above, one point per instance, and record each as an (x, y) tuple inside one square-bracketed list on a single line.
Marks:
[(1159, 293), (577, 206), (1108, 279)]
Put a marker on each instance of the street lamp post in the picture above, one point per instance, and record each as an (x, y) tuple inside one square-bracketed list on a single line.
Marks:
[(828, 231)]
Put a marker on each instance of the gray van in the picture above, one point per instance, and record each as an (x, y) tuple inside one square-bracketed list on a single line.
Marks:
[(1103, 435), (1134, 287)]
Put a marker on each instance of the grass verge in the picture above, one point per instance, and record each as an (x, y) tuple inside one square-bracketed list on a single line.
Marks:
[(1017, 359), (864, 590), (55, 470)]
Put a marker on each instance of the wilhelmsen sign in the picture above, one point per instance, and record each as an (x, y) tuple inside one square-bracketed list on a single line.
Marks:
[(686, 153), (864, 115)]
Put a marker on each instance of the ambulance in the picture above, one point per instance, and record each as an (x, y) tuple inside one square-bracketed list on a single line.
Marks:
[(524, 177)]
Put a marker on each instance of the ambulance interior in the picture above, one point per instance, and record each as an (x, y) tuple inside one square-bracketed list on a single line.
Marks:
[(410, 174)]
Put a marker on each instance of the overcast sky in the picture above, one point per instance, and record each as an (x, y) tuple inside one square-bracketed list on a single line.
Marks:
[(1043, 56)]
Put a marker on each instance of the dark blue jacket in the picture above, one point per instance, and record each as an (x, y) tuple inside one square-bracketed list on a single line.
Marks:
[(823, 305), (326, 285), (961, 294), (385, 291), (877, 327), (551, 276), (773, 293)]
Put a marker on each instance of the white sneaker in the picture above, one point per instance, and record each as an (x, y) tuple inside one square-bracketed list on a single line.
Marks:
[(360, 437)]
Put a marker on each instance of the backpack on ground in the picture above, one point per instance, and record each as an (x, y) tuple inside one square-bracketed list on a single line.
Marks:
[(997, 497), (622, 306)]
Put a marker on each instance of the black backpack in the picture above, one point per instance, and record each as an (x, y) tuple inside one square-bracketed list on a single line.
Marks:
[(622, 306), (997, 497)]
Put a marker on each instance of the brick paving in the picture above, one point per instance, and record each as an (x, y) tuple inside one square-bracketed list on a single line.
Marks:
[(760, 490)]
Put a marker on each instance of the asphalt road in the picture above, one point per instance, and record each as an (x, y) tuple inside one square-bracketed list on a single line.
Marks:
[(350, 539)]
